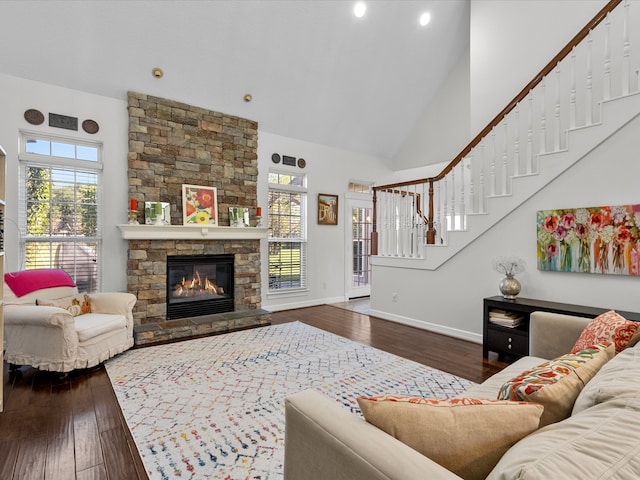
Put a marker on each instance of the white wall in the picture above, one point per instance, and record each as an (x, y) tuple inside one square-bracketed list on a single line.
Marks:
[(511, 41), (18, 95), (449, 299), (443, 130), (328, 170)]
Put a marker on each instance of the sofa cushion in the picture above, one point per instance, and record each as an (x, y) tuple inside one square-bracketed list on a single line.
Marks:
[(93, 324), (467, 436), (557, 383), (602, 442), (74, 304), (609, 327), (617, 379)]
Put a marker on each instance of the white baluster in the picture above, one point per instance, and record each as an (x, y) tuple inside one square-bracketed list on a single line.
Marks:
[(626, 51), (452, 207), (589, 93), (461, 207), (558, 127), (472, 198), (606, 84), (481, 194), (516, 143), (572, 94), (493, 162), (505, 147), (529, 159), (543, 117)]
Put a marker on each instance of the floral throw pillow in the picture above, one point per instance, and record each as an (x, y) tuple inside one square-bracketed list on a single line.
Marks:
[(75, 305), (557, 383), (609, 327)]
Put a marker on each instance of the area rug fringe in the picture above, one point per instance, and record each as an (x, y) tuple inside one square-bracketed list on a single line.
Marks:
[(214, 407)]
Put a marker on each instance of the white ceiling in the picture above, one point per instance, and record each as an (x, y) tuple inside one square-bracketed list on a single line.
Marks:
[(315, 71)]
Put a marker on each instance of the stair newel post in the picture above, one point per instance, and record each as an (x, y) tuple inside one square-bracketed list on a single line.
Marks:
[(589, 93), (626, 51), (431, 233), (516, 142), (374, 229), (606, 84), (543, 116), (529, 163), (572, 94), (557, 143), (505, 156)]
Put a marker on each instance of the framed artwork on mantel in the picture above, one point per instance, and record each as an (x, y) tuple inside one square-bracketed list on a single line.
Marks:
[(199, 205), (327, 209)]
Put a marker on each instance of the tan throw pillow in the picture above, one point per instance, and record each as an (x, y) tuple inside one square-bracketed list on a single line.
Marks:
[(75, 305), (466, 436), (609, 327), (557, 383)]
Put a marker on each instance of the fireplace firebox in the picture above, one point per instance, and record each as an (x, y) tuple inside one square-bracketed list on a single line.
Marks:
[(199, 285)]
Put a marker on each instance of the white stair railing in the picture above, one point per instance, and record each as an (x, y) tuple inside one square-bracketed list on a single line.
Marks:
[(596, 66)]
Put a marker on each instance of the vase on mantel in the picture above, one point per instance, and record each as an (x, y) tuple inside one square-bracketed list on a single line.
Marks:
[(510, 287)]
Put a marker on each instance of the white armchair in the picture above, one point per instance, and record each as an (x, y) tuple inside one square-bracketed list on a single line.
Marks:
[(51, 337)]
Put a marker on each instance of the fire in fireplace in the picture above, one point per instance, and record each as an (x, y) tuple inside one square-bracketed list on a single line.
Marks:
[(199, 285)]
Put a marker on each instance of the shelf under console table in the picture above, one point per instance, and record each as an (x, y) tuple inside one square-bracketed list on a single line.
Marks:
[(514, 341)]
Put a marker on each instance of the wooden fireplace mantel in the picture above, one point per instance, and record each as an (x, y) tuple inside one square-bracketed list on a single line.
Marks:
[(190, 232)]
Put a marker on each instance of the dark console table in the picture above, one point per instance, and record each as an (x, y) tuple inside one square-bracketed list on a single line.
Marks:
[(514, 342)]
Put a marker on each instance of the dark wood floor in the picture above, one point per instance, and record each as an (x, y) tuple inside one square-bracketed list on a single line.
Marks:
[(73, 428)]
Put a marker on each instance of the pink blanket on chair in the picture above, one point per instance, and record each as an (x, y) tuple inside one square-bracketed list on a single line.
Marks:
[(28, 281)]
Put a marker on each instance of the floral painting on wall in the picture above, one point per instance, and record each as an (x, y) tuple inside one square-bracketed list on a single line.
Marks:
[(592, 240)]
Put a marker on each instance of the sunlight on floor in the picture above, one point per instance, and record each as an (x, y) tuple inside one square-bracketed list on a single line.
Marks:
[(360, 305)]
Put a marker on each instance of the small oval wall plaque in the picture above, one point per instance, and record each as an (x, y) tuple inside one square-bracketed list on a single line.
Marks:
[(90, 126), (33, 116)]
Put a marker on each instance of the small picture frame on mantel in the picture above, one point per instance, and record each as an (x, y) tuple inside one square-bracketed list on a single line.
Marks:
[(238, 217)]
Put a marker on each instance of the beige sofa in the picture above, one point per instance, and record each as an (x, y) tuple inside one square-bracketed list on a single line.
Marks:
[(601, 439)]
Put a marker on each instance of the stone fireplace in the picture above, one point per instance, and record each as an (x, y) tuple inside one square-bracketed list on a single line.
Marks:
[(171, 144)]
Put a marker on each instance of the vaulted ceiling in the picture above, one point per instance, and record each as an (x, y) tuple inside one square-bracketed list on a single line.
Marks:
[(314, 70)]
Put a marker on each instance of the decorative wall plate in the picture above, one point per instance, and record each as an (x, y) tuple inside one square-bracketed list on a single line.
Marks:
[(302, 163), (33, 116), (90, 126), (275, 158)]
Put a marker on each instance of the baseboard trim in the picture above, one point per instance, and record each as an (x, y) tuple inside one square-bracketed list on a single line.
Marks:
[(431, 327)]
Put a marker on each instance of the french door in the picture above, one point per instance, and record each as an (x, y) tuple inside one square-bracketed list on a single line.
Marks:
[(358, 265)]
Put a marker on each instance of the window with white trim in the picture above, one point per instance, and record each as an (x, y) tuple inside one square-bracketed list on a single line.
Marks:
[(287, 216), (59, 206)]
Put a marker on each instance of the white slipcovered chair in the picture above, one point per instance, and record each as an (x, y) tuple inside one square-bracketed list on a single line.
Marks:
[(51, 337)]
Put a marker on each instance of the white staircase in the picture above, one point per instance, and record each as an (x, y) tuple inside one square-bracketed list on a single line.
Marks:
[(588, 96)]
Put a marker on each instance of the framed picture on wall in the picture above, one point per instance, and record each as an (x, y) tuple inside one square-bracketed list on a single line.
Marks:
[(199, 205), (327, 209)]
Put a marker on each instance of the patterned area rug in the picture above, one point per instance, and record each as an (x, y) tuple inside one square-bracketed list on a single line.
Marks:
[(214, 407)]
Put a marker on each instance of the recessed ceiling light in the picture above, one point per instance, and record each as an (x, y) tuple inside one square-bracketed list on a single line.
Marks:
[(360, 9), (425, 18)]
